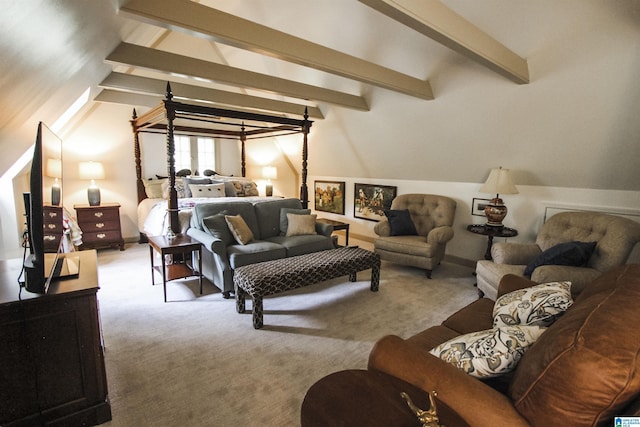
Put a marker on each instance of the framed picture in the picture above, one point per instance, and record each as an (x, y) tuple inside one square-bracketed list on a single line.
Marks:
[(370, 201), (329, 196), (478, 205)]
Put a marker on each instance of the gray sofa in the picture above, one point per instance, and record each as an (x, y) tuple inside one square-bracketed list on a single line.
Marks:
[(220, 256)]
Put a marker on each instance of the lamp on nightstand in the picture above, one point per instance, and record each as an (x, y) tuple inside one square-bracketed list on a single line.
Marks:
[(92, 171), (54, 170), (269, 173), (499, 181)]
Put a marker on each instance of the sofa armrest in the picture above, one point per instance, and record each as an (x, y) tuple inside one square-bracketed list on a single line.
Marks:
[(512, 282), (476, 402), (440, 235), (514, 253), (211, 243), (324, 229), (382, 228)]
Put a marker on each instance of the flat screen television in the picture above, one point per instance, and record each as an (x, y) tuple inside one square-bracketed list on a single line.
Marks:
[(45, 189)]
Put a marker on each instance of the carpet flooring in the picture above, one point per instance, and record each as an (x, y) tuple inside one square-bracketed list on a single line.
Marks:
[(195, 361)]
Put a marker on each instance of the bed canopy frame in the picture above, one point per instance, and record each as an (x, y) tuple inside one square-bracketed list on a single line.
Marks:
[(171, 117)]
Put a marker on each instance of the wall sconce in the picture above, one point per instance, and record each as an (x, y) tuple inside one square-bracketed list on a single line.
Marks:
[(92, 171), (499, 181), (54, 170), (269, 173)]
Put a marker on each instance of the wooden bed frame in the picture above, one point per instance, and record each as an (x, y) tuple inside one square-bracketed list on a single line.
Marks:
[(221, 123)]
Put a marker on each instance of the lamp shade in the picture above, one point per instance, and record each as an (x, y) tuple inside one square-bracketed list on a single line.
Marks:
[(269, 172), (91, 170), (54, 168), (499, 182)]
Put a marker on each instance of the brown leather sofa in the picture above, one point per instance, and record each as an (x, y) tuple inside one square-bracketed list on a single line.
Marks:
[(583, 371)]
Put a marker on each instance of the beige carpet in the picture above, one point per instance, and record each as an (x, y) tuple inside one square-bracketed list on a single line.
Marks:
[(194, 361)]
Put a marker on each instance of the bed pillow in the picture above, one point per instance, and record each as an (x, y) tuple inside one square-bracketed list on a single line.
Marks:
[(188, 180), (250, 189), (153, 188), (400, 222), (239, 229), (301, 225), (179, 189), (216, 226), (284, 222), (489, 353), (574, 254), (229, 188), (538, 305), (207, 190)]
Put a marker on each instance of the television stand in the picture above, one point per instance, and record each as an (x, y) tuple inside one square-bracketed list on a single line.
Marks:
[(51, 360)]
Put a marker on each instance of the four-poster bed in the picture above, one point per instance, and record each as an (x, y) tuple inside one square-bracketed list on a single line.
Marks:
[(171, 117)]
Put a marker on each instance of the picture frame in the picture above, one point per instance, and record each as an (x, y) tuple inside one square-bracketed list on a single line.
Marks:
[(371, 200), (329, 196), (478, 205)]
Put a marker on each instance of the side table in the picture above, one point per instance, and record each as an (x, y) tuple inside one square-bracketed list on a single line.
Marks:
[(179, 245), (337, 225), (491, 232), (367, 398)]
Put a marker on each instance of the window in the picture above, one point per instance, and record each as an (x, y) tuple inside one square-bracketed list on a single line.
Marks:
[(194, 153)]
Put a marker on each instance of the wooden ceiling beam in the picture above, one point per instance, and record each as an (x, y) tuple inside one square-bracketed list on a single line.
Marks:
[(193, 18), (171, 63), (438, 22), (147, 85)]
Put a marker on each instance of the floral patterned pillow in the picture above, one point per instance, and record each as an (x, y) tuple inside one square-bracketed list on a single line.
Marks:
[(489, 353), (538, 305)]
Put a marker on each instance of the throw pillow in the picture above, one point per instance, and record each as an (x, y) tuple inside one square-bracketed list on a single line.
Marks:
[(250, 189), (179, 189), (575, 254), (400, 222), (188, 180), (489, 353), (239, 228), (207, 190), (538, 305), (216, 225), (300, 225), (153, 188), (284, 222)]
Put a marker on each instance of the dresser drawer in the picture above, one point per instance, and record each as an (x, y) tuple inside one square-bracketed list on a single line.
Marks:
[(87, 216), (107, 236), (98, 225)]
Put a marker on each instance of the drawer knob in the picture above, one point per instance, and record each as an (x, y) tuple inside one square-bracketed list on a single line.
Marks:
[(53, 214), (100, 225), (50, 238), (98, 214), (101, 235), (51, 226)]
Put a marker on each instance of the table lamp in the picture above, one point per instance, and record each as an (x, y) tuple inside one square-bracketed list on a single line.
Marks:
[(499, 181), (54, 170), (92, 171), (269, 173)]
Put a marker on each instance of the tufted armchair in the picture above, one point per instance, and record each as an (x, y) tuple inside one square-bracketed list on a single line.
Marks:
[(615, 236), (432, 216)]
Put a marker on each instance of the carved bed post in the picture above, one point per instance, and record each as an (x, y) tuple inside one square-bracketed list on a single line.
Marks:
[(304, 191), (174, 224), (136, 151), (243, 160)]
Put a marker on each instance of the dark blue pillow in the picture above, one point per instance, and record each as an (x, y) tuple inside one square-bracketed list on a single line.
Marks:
[(400, 222), (216, 226), (571, 253)]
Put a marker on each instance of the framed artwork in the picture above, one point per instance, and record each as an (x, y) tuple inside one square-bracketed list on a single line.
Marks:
[(370, 200), (329, 196), (478, 205)]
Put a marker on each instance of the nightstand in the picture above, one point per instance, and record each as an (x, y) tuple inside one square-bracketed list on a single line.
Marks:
[(100, 225), (53, 227)]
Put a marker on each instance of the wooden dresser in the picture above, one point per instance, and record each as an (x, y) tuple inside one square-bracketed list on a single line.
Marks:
[(53, 227), (100, 225), (51, 358)]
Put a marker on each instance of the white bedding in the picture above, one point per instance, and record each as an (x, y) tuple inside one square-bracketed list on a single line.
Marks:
[(153, 219)]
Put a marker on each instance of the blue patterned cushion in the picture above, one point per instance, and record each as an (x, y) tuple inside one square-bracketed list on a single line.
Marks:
[(538, 305), (489, 353)]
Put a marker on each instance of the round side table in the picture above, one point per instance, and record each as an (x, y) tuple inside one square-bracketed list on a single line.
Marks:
[(491, 232)]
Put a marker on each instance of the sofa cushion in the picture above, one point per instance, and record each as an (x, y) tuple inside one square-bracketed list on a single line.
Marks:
[(585, 368), (474, 317), (538, 305), (489, 353), (300, 245), (575, 254), (216, 225), (300, 225), (400, 222), (253, 252), (284, 220), (239, 229)]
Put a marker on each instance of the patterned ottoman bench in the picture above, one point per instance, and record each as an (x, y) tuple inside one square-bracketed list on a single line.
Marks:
[(272, 277)]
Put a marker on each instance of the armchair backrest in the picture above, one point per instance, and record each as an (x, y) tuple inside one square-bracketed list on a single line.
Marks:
[(428, 211), (616, 236)]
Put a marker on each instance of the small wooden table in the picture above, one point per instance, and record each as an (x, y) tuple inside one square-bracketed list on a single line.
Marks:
[(337, 225), (180, 244), (491, 232)]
